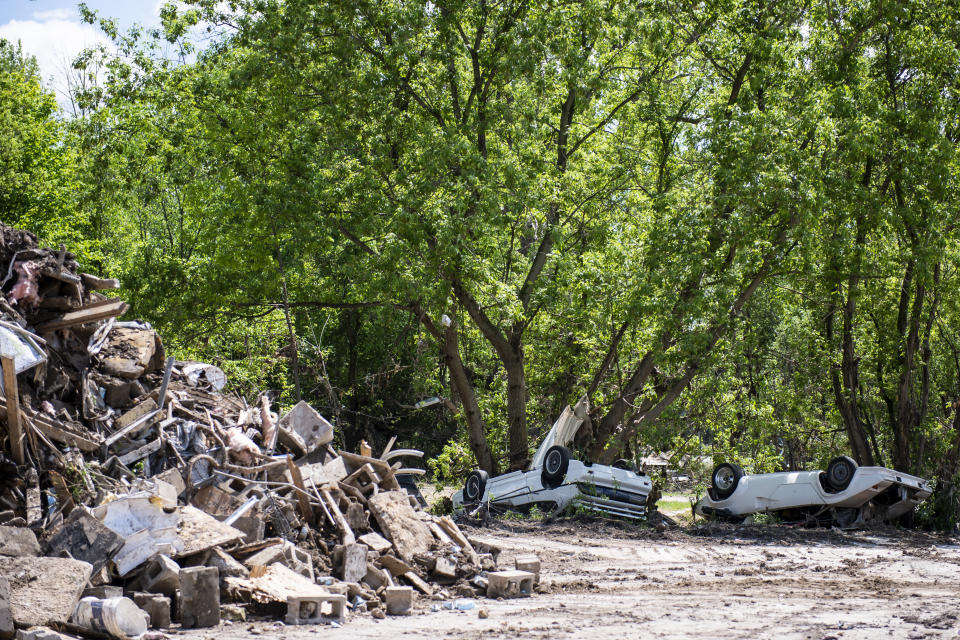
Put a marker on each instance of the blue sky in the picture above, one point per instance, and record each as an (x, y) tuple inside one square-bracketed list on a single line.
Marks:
[(51, 30)]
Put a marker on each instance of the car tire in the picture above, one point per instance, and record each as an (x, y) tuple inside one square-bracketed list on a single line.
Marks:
[(726, 476), (475, 485), (840, 473), (555, 465)]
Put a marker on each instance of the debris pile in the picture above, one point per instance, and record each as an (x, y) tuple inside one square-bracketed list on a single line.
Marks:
[(134, 493)]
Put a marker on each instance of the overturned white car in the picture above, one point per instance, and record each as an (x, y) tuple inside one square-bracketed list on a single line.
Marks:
[(554, 480), (845, 494)]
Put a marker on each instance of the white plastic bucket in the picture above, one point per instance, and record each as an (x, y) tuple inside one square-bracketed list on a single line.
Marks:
[(118, 617)]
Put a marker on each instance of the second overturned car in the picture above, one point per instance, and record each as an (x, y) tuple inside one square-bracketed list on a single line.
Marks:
[(844, 494), (555, 480)]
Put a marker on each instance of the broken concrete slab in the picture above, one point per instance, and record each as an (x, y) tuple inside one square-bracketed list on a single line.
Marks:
[(400, 523), (40, 633), (18, 542), (200, 531), (276, 584), (137, 346), (33, 580), (146, 527), (375, 541), (84, 537), (6, 615)]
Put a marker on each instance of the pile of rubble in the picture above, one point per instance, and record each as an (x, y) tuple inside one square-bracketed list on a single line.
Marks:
[(136, 494)]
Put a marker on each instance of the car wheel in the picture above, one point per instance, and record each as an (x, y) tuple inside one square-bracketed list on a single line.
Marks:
[(555, 465), (726, 477), (840, 472), (474, 486)]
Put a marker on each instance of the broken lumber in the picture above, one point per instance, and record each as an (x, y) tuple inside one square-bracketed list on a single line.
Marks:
[(88, 313)]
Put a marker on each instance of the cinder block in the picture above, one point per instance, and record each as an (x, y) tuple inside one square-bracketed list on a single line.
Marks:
[(161, 575), (6, 614), (399, 600), (157, 607), (316, 609), (509, 584), (288, 554), (199, 597), (529, 562)]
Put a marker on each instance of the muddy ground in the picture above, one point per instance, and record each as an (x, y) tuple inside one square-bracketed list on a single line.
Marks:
[(616, 580)]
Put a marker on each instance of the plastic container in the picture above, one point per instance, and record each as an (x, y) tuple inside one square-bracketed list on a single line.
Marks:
[(118, 617)]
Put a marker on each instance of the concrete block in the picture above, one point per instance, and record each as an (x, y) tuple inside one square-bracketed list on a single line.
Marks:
[(445, 570), (509, 584), (18, 542), (161, 575), (313, 428), (157, 607), (528, 562), (6, 615), (399, 600), (316, 609), (253, 528), (354, 568), (287, 554), (199, 597), (376, 578)]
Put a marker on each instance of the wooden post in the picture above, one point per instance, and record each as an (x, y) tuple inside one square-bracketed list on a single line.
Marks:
[(12, 394)]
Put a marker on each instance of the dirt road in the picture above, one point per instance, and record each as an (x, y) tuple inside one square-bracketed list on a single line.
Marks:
[(623, 581)]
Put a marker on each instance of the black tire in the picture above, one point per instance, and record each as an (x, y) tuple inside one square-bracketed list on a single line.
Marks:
[(623, 463), (840, 473), (555, 465), (726, 476), (475, 485)]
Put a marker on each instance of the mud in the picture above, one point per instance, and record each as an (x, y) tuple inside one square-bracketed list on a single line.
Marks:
[(615, 580)]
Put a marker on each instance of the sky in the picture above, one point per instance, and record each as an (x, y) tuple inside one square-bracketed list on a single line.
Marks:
[(51, 30)]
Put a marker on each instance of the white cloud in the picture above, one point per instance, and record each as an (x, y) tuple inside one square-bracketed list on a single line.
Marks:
[(54, 38)]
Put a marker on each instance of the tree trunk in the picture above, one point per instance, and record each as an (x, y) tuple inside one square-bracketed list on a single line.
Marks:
[(471, 410), (517, 410)]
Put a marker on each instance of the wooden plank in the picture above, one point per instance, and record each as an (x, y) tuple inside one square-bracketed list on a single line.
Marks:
[(447, 524), (47, 428), (305, 509), (138, 425), (12, 395), (142, 452), (89, 313), (134, 414)]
